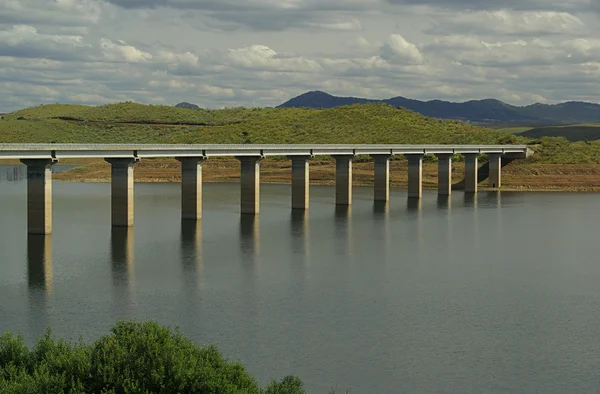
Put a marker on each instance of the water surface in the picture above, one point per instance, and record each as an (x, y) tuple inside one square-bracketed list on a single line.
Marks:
[(497, 293)]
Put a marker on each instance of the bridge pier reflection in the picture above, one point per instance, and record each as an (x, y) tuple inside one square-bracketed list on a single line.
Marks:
[(122, 253), (250, 239), (39, 261), (191, 249)]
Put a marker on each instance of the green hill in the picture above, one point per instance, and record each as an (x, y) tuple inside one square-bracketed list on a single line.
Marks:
[(129, 122), (367, 124)]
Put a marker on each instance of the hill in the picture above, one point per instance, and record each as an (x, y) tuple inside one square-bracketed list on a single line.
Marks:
[(488, 111), (366, 124), (130, 122)]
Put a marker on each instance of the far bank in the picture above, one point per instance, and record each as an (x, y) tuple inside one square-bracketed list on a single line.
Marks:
[(515, 176)]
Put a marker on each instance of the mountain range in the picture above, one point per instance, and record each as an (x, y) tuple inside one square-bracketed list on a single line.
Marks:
[(488, 111)]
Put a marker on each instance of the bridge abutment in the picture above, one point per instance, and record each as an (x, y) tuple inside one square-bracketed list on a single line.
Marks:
[(250, 184), (495, 168), (39, 195), (191, 187), (471, 176), (415, 175), (444, 174), (381, 185), (121, 191), (343, 179), (300, 182)]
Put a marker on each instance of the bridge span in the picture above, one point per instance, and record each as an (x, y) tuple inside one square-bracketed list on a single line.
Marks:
[(39, 159)]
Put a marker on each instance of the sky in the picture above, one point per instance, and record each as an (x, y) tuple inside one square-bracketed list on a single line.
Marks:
[(256, 53)]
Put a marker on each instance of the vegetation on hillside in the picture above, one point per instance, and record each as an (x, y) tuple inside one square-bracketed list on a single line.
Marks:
[(366, 124), (135, 358), (129, 122)]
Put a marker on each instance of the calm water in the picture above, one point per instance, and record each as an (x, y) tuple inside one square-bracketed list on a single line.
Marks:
[(494, 294)]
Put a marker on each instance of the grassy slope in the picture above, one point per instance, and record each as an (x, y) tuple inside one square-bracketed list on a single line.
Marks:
[(372, 123), (353, 124)]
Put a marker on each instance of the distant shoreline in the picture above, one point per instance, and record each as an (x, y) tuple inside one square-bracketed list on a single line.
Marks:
[(516, 176)]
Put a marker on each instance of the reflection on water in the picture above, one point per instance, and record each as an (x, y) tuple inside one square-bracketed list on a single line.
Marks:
[(122, 246), (191, 250), (12, 173), (122, 253), (414, 296), (414, 204), (250, 240), (39, 262), (470, 199), (343, 231), (443, 202), (299, 226)]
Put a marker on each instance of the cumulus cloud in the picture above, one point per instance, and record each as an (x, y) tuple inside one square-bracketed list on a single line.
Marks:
[(218, 53), (398, 50)]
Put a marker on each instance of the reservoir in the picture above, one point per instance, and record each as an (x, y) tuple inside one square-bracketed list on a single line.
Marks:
[(488, 294)]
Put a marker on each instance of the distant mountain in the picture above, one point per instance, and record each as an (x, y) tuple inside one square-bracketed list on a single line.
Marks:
[(187, 105), (488, 111)]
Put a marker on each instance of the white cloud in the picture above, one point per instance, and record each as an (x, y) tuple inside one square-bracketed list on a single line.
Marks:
[(262, 52), (397, 50)]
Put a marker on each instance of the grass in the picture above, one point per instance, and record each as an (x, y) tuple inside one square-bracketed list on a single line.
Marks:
[(367, 124), (129, 122)]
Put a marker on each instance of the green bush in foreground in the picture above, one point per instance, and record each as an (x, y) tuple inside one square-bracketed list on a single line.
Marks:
[(134, 358)]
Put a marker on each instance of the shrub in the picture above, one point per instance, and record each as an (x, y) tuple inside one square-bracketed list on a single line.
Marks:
[(136, 357)]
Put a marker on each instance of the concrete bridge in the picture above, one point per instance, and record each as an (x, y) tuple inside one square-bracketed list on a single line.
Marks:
[(39, 159)]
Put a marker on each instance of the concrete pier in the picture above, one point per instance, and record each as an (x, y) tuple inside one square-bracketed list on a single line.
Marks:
[(250, 184), (495, 168), (381, 186), (415, 175), (122, 191), (300, 182), (343, 179), (471, 176), (39, 195), (444, 174), (191, 187)]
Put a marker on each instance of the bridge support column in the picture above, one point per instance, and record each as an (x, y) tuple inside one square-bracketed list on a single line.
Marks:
[(471, 176), (191, 187), (495, 166), (444, 174), (343, 179), (122, 191), (39, 195), (415, 175), (300, 182), (250, 184), (381, 185)]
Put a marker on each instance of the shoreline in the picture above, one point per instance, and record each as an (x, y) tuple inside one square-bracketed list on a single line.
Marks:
[(518, 177)]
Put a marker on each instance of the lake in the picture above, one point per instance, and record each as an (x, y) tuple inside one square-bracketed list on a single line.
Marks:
[(493, 294)]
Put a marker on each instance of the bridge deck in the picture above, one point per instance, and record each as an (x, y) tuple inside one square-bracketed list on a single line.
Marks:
[(64, 151)]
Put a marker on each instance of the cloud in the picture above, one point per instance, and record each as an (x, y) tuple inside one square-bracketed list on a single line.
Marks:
[(263, 15), (503, 22), (398, 50), (520, 5), (262, 52)]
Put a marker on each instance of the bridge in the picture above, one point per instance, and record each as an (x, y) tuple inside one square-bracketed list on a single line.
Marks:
[(39, 159)]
